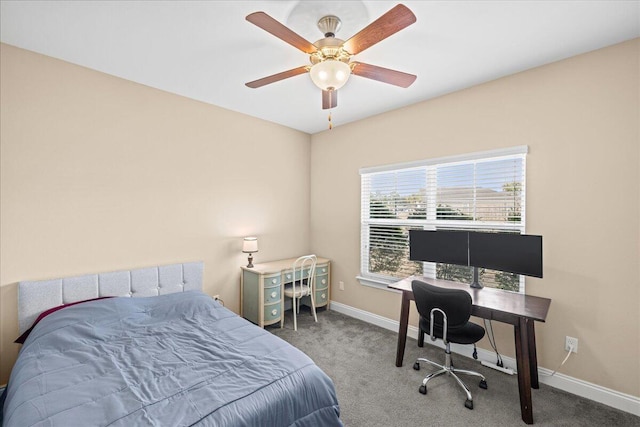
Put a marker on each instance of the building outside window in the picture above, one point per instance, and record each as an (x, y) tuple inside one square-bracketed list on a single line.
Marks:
[(480, 191)]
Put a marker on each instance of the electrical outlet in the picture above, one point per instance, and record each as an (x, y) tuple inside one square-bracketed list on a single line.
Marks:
[(570, 342), (341, 285), (216, 297)]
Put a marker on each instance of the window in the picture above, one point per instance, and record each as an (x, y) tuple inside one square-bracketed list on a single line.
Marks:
[(481, 191)]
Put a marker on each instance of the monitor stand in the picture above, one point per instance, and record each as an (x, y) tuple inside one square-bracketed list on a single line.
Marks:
[(476, 284)]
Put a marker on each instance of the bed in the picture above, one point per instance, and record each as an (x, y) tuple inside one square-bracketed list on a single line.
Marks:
[(170, 356)]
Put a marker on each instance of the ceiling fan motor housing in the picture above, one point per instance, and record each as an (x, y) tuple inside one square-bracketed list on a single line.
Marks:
[(329, 48), (329, 25)]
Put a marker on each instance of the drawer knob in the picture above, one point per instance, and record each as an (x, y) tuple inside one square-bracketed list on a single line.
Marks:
[(324, 281), (274, 312), (323, 295), (288, 276), (324, 270), (274, 281), (274, 294)]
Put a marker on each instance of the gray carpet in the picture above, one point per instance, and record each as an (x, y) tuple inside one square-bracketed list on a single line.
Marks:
[(372, 391)]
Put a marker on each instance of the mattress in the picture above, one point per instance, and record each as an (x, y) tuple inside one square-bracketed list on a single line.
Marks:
[(173, 360)]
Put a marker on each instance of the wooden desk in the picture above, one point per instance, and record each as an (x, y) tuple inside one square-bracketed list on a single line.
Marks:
[(262, 287), (519, 310)]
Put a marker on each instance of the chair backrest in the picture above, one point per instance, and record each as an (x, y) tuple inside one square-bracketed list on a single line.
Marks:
[(304, 274), (455, 303)]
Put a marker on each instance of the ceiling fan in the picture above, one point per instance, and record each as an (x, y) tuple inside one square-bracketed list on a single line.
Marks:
[(330, 57)]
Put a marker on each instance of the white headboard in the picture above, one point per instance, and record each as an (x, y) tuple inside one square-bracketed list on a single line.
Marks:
[(34, 297)]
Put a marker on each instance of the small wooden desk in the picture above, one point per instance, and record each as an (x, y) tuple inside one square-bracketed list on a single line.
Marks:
[(519, 310), (262, 287)]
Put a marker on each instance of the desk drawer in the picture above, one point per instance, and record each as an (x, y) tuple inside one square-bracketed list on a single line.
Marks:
[(288, 276), (271, 312), (272, 294), (272, 280), (322, 281), (322, 269), (322, 297)]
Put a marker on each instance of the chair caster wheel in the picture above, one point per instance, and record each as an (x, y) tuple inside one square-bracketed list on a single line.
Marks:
[(468, 404), (483, 384), (416, 366), (423, 389)]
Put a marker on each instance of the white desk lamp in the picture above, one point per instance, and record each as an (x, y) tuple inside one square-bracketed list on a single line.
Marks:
[(250, 246)]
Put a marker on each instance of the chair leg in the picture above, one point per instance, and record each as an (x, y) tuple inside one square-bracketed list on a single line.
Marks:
[(448, 368), (466, 372), (433, 375), (313, 307), (463, 385), (293, 308), (437, 365)]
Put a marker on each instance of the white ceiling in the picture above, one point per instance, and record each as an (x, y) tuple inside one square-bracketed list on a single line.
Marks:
[(206, 50)]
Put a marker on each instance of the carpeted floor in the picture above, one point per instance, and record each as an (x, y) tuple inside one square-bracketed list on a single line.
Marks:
[(372, 391)]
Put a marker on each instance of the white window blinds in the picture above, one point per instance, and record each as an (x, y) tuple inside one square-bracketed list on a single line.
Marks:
[(480, 191)]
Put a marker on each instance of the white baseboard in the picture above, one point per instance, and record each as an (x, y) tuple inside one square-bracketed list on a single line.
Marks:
[(609, 397)]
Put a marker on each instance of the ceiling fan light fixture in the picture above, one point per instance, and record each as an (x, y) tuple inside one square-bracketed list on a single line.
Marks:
[(330, 74)]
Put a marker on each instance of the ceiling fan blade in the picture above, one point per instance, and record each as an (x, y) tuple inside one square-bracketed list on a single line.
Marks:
[(277, 77), (274, 27), (393, 77), (329, 99), (388, 24)]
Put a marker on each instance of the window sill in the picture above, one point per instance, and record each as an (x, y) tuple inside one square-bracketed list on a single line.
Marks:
[(376, 283)]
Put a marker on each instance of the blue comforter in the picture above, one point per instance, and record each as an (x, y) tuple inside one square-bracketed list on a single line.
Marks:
[(173, 360)]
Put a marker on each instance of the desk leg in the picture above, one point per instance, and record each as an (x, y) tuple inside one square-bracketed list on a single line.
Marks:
[(402, 331), (524, 371), (533, 358)]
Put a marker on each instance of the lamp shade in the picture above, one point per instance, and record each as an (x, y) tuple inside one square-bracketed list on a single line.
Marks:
[(330, 74), (250, 245)]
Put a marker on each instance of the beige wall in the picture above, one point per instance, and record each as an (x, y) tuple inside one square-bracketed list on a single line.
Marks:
[(99, 174), (579, 118)]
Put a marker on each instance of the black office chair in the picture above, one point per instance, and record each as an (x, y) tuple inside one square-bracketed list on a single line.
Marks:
[(444, 314)]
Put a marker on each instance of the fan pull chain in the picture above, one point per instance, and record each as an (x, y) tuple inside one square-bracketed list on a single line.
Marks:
[(330, 123)]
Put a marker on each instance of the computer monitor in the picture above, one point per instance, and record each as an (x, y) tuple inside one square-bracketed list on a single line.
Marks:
[(514, 253), (445, 246)]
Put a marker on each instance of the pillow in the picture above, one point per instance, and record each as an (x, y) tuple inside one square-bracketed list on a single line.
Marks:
[(22, 338)]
